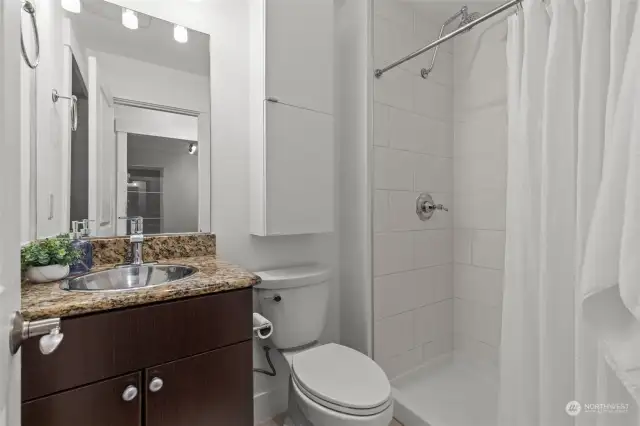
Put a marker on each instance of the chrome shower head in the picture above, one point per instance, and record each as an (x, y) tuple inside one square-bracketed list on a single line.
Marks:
[(468, 18)]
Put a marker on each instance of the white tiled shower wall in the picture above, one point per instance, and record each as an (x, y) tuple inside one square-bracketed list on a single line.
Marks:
[(413, 148), (480, 170)]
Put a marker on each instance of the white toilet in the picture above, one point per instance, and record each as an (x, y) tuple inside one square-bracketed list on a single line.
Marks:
[(330, 385)]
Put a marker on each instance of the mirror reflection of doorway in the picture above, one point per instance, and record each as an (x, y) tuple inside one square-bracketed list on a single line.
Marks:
[(79, 193), (162, 183)]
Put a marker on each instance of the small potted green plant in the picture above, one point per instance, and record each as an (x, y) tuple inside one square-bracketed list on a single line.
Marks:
[(49, 259)]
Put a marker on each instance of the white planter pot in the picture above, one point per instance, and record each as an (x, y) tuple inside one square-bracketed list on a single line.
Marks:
[(45, 274)]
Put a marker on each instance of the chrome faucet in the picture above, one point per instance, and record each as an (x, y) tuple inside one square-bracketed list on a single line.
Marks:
[(136, 240)]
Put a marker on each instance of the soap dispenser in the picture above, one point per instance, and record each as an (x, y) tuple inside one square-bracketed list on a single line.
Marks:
[(85, 262)]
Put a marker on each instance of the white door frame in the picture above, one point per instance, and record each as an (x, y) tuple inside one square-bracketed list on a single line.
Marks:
[(204, 157), (10, 205), (121, 183)]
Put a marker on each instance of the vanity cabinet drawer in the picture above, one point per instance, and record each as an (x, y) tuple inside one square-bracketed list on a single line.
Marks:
[(100, 346), (112, 402)]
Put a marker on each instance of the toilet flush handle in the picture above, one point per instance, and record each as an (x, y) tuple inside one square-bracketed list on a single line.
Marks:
[(276, 298)]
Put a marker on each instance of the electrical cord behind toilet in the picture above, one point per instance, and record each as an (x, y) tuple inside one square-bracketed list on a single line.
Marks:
[(271, 373)]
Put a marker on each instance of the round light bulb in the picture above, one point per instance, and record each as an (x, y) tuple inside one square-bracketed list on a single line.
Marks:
[(180, 34), (72, 6), (130, 19)]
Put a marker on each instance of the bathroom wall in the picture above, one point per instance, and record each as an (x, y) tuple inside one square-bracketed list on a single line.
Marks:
[(228, 24), (480, 164), (413, 146)]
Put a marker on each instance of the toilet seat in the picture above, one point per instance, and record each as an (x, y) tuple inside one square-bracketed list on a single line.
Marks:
[(341, 379)]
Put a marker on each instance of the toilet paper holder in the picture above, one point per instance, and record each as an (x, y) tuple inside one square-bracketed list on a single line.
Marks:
[(262, 327)]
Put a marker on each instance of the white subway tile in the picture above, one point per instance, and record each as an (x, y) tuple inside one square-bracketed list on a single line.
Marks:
[(382, 41), (480, 210), (381, 222), (433, 247), (380, 124), (393, 335), (443, 315), (441, 279), (464, 314), (488, 249), (424, 325), (427, 29), (433, 174), (393, 169), (462, 239), (395, 293), (488, 324), (432, 99), (437, 136), (392, 252), (403, 131), (437, 347), (395, 88), (400, 364), (480, 172), (433, 322), (476, 349), (478, 284), (402, 211), (441, 219), (481, 132), (398, 12)]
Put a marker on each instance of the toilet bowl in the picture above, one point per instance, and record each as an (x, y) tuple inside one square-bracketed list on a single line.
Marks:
[(333, 385), (330, 384)]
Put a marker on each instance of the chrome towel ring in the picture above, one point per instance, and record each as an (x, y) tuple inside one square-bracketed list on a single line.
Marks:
[(27, 6)]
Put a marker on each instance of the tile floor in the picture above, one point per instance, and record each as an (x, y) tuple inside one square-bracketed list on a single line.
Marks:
[(277, 421)]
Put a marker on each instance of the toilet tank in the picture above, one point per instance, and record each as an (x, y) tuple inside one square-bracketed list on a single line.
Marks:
[(295, 301)]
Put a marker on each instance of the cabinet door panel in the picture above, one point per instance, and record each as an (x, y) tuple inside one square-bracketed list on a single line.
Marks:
[(299, 53), (214, 388), (99, 404), (300, 172)]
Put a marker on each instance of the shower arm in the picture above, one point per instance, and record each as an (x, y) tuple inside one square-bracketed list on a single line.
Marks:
[(462, 12), (506, 6)]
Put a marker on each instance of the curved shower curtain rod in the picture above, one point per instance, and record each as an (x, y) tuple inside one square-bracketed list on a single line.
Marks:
[(506, 6)]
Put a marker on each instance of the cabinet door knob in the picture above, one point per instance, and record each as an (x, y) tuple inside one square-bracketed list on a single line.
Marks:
[(130, 393), (156, 384)]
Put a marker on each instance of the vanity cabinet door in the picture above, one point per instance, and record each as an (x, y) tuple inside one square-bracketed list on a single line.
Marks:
[(213, 388), (113, 402)]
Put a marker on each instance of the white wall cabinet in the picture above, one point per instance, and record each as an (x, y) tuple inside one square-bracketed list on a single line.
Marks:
[(292, 142)]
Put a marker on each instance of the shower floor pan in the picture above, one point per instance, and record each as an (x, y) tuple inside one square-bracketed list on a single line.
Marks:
[(449, 391)]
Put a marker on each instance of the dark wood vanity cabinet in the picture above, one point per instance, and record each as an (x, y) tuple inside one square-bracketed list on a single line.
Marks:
[(189, 362), (207, 389), (98, 404)]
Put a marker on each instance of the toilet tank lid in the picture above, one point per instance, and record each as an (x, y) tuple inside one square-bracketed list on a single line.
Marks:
[(298, 276)]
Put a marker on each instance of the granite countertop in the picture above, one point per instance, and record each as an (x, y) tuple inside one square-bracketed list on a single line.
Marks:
[(41, 301)]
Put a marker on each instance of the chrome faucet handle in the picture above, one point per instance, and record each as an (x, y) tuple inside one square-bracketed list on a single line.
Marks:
[(425, 207), (136, 223)]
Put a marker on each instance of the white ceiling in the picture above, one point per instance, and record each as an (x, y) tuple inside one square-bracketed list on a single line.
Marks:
[(99, 27)]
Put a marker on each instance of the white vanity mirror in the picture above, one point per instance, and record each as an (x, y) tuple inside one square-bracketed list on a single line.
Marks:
[(132, 113)]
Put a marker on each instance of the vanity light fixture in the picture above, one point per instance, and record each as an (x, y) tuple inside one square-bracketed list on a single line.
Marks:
[(72, 6), (180, 34), (129, 19)]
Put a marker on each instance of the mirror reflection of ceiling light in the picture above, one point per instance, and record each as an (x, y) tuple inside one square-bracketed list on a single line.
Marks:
[(193, 148), (130, 19), (180, 33), (72, 6)]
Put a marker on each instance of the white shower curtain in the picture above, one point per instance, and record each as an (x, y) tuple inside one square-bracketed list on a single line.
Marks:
[(573, 200)]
